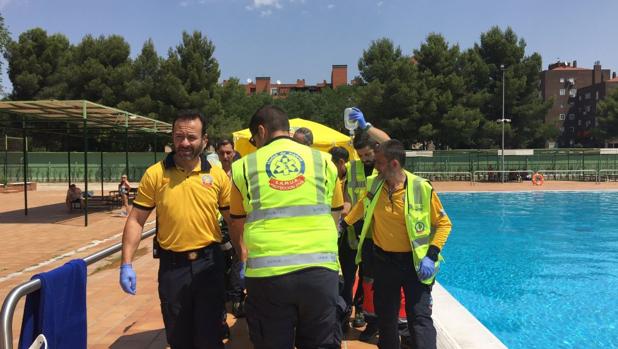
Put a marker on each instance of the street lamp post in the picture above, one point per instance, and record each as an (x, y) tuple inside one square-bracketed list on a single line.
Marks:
[(503, 120)]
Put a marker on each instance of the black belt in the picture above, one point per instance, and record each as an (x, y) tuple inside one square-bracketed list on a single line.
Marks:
[(400, 259), (190, 255)]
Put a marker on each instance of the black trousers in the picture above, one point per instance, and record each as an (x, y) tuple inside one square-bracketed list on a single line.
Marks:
[(393, 271), (192, 295), (301, 309), (234, 285), (347, 260)]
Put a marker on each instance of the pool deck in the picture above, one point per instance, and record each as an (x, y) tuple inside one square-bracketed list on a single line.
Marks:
[(49, 236)]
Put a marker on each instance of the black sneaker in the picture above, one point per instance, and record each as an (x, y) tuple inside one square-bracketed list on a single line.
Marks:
[(369, 332), (359, 319), (238, 309), (406, 339)]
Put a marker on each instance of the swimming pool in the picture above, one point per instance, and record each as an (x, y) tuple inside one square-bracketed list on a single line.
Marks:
[(539, 269)]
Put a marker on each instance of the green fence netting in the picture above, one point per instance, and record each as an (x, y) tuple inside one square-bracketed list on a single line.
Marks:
[(53, 166)]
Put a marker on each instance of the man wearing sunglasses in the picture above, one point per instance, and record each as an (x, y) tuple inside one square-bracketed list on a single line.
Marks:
[(285, 202)]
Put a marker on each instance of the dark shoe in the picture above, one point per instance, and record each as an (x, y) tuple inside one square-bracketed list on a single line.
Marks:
[(369, 332), (404, 335), (359, 319), (238, 309)]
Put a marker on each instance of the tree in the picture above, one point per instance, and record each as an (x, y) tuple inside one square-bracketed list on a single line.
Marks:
[(100, 70), (442, 108), (38, 65), (523, 104), (140, 91), (238, 107), (188, 78), (607, 117), (377, 62), (391, 94)]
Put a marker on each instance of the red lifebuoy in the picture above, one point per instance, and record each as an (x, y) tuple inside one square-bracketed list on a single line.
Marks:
[(538, 179)]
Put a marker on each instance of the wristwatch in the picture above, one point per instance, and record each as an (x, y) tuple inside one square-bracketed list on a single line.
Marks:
[(368, 125)]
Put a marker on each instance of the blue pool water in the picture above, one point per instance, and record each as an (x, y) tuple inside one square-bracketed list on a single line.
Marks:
[(539, 269)]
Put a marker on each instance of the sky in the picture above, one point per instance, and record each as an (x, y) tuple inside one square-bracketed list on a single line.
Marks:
[(302, 39)]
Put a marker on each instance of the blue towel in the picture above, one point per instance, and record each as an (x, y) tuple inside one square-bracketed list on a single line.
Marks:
[(58, 310)]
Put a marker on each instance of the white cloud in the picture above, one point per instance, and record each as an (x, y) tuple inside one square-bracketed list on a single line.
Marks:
[(380, 3), (330, 6), (184, 3), (265, 6), (266, 3)]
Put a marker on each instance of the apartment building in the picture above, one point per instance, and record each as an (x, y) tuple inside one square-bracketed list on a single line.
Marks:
[(575, 92)]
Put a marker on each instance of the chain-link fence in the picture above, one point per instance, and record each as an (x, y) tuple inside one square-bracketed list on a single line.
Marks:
[(559, 164), (53, 166)]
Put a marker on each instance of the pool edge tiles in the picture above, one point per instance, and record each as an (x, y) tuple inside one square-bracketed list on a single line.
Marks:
[(457, 327)]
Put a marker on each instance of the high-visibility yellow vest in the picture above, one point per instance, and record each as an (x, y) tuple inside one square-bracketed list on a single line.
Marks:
[(356, 183), (417, 207), (287, 190)]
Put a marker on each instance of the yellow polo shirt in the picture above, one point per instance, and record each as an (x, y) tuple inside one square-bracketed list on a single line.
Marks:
[(388, 223), (187, 204)]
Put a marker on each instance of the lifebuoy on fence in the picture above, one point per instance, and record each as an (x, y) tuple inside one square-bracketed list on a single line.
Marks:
[(538, 179)]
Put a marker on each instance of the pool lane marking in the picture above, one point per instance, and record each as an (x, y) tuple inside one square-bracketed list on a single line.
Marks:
[(62, 256)]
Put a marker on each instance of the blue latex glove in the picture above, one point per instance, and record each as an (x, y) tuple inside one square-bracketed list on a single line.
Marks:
[(426, 268), (357, 115), (128, 279)]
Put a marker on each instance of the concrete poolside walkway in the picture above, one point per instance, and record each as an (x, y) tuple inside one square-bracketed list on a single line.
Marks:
[(40, 242)]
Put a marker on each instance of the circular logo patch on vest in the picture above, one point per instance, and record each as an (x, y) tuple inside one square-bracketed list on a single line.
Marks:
[(207, 180), (285, 170), (419, 227)]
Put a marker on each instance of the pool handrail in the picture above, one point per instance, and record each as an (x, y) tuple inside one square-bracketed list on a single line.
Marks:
[(606, 171), (427, 174), (567, 172), (13, 297), (530, 172)]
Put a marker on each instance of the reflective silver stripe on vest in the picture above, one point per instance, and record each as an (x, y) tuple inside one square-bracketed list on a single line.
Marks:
[(356, 166), (418, 194), (420, 242), (320, 182), (254, 181), (353, 183), (374, 186), (417, 188), (288, 211), (295, 259)]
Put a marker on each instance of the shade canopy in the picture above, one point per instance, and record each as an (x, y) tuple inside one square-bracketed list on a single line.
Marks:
[(324, 138), (81, 113)]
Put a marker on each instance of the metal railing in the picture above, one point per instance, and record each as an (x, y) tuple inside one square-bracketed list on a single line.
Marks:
[(10, 302), (500, 176), (580, 175), (446, 176), (611, 176)]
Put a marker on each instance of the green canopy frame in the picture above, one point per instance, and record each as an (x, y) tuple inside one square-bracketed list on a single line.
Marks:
[(81, 114)]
